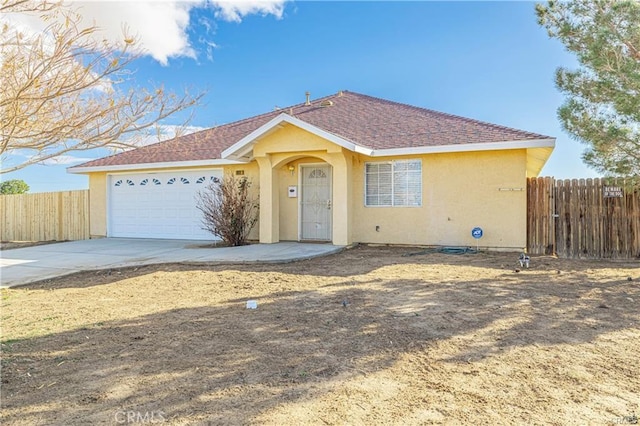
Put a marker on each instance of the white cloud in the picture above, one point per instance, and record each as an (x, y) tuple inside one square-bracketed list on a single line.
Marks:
[(236, 10), (161, 26)]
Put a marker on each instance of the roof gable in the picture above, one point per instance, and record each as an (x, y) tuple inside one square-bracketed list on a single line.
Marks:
[(240, 149)]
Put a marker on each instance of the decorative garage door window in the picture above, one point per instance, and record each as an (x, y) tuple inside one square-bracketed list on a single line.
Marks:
[(393, 184), (183, 180), (203, 179), (128, 181)]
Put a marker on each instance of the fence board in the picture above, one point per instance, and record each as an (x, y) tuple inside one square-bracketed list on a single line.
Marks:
[(572, 218), (46, 216)]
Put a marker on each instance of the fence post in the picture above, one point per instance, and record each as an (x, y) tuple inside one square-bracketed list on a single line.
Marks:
[(60, 216)]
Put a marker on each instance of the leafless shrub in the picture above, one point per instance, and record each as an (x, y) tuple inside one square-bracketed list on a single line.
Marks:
[(229, 210)]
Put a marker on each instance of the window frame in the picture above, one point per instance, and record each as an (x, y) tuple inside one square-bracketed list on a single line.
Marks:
[(392, 163)]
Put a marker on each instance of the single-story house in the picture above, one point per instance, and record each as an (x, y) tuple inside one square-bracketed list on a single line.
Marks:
[(344, 168)]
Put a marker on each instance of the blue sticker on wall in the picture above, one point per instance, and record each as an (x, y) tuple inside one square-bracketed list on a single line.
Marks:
[(476, 232)]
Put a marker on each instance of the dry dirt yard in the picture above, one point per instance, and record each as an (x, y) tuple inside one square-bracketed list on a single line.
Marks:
[(430, 338)]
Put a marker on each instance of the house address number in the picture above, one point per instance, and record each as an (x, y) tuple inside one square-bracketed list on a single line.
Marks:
[(612, 192)]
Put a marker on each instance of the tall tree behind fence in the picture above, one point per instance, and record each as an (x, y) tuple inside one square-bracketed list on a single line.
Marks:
[(590, 218), (46, 216)]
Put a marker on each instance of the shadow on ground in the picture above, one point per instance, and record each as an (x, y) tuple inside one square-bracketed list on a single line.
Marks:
[(224, 364)]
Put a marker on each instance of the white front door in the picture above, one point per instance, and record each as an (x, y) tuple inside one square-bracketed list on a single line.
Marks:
[(315, 203), (158, 205)]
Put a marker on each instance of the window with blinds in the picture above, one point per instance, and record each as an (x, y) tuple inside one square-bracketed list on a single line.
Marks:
[(393, 184)]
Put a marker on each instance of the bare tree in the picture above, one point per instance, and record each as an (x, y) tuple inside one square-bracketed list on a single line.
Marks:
[(62, 89), (229, 210)]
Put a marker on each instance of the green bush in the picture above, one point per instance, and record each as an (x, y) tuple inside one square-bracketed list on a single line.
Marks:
[(14, 186)]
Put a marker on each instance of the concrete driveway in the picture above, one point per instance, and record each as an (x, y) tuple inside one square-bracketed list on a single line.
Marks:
[(26, 265)]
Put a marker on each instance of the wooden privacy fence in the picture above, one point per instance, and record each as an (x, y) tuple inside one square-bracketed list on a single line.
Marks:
[(45, 216), (590, 218)]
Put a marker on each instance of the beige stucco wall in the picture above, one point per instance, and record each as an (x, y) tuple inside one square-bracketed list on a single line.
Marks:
[(459, 192), (97, 205)]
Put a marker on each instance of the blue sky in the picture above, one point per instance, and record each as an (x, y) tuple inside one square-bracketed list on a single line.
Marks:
[(484, 60)]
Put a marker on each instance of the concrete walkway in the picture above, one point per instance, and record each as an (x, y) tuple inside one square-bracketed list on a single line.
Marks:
[(27, 265)]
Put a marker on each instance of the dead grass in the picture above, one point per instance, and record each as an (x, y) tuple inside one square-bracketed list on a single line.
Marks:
[(422, 339)]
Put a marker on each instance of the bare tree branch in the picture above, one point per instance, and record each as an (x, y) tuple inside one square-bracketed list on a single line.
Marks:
[(64, 89)]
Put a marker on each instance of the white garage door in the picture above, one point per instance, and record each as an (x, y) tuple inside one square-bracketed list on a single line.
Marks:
[(158, 205)]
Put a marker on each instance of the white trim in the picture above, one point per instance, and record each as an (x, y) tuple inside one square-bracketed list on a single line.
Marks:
[(137, 172), (147, 166), (241, 147), (299, 201), (109, 180), (485, 146)]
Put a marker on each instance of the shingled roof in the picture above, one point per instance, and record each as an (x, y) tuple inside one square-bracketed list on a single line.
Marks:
[(369, 122)]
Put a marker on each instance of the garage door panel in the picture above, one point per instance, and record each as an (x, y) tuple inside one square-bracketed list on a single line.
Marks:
[(158, 205), (154, 214), (184, 215), (186, 196)]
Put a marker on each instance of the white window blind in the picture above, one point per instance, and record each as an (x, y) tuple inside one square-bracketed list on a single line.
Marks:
[(393, 183)]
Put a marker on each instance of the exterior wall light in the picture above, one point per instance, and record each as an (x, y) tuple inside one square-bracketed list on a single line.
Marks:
[(292, 169)]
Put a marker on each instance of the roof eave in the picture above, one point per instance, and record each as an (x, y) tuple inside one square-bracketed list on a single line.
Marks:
[(468, 147), (148, 166), (536, 159)]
